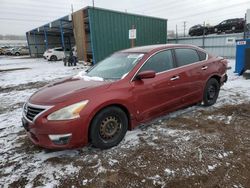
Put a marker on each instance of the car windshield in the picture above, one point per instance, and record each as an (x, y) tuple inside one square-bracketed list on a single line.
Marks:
[(117, 66)]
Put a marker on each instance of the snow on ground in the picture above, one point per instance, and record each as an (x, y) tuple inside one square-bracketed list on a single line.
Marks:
[(37, 70), (236, 90), (23, 164)]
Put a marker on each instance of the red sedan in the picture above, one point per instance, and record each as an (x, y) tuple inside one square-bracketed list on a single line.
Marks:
[(126, 89)]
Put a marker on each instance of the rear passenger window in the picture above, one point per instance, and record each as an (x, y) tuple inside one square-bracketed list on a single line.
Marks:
[(203, 55), (160, 62), (186, 56)]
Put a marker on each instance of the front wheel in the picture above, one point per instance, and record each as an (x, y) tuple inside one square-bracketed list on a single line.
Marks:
[(108, 127), (53, 58), (211, 92)]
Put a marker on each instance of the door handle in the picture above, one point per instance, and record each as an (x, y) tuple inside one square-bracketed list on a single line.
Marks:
[(204, 68), (175, 78)]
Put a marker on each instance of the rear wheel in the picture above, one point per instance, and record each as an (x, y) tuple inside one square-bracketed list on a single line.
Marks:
[(17, 54), (211, 92), (108, 127), (246, 75), (53, 58)]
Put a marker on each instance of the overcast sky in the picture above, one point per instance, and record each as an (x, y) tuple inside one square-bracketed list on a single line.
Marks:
[(19, 16)]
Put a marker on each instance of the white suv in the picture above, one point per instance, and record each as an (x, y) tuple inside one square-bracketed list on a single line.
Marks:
[(55, 54)]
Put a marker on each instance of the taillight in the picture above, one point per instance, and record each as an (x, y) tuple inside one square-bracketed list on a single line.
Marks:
[(225, 62), (49, 51)]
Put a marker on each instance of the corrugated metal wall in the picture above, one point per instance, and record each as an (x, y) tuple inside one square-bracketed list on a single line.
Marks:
[(218, 45), (109, 31)]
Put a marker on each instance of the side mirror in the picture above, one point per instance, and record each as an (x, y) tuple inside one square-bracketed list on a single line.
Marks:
[(146, 75)]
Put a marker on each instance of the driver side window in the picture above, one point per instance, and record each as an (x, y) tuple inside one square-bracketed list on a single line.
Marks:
[(159, 62)]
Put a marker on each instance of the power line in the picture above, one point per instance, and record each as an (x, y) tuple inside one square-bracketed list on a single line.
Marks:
[(209, 19), (213, 10), (10, 7), (157, 5), (24, 20), (28, 14), (38, 4)]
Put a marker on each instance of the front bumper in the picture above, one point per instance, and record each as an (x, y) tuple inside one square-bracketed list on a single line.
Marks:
[(224, 79), (57, 134)]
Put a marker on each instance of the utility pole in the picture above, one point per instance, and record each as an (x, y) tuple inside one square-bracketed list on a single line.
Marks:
[(176, 34), (184, 27), (93, 3)]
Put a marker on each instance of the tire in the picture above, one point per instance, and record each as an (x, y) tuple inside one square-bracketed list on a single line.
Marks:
[(53, 58), (246, 75), (17, 54), (211, 92), (108, 127)]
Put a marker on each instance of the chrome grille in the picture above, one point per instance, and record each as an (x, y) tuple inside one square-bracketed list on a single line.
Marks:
[(31, 112)]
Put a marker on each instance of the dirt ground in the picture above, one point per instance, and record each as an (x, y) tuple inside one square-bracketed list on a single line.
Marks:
[(197, 147), (214, 153)]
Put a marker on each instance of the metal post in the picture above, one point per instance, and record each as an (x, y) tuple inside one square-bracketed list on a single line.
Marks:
[(28, 42), (46, 37), (70, 42), (133, 40), (245, 28), (62, 36), (91, 35), (34, 34), (203, 36)]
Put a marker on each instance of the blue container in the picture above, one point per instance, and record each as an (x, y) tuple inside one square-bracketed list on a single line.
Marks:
[(241, 47)]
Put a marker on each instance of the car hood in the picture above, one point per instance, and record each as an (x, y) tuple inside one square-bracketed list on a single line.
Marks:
[(66, 89)]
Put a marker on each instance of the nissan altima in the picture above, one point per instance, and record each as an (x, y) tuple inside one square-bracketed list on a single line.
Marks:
[(126, 89)]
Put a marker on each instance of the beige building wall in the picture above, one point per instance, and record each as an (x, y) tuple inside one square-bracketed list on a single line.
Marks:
[(80, 35)]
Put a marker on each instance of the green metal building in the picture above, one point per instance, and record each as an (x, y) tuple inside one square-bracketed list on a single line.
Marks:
[(100, 32)]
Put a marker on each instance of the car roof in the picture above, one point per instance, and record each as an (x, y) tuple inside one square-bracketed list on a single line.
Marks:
[(150, 48)]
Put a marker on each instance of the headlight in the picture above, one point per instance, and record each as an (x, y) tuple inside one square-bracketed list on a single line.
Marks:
[(69, 112)]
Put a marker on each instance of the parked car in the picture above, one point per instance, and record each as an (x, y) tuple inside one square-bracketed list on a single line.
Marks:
[(128, 88), (5, 49), (8, 51), (20, 51), (1, 51), (231, 25), (55, 54), (198, 30)]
